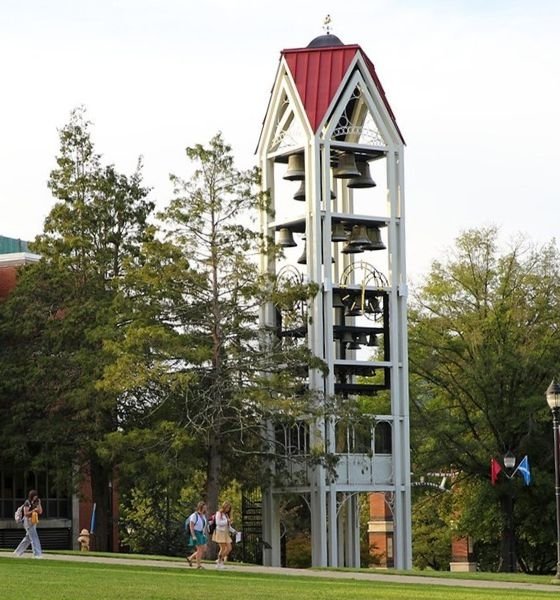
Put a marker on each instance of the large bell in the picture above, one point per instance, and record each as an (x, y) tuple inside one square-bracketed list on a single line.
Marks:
[(364, 180), (373, 307), (353, 307), (347, 338), (300, 194), (296, 168), (285, 238), (337, 300), (372, 340), (302, 260), (375, 242), (359, 236), (353, 345), (338, 233), (351, 249), (346, 168), (362, 338)]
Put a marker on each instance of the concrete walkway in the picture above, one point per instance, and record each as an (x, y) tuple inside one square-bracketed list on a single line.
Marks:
[(326, 574)]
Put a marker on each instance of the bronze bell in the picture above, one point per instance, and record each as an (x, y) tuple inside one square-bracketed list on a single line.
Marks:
[(300, 194), (338, 233), (364, 180), (347, 338), (353, 308), (372, 307), (353, 345), (362, 339), (296, 168), (372, 340), (375, 242), (351, 249), (337, 300), (285, 238), (358, 237), (302, 260), (346, 168)]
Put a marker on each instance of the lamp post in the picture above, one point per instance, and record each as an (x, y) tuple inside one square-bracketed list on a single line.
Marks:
[(509, 565), (553, 399)]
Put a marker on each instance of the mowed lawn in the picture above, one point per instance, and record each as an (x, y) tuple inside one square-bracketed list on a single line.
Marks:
[(26, 579)]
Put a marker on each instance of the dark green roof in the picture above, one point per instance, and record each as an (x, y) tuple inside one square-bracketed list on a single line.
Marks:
[(10, 245)]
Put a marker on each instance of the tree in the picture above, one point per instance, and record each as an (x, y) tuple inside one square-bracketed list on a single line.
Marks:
[(484, 343), (62, 312), (193, 340)]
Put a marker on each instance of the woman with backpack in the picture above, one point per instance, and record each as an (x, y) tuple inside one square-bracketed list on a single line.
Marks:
[(31, 510), (196, 531), (222, 533)]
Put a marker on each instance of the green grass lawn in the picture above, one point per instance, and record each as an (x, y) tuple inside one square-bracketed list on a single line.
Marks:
[(26, 579)]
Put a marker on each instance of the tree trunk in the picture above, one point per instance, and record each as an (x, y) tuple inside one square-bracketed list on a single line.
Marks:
[(102, 497)]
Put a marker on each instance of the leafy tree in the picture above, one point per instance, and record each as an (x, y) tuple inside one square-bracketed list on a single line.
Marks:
[(432, 529), (484, 344), (61, 312)]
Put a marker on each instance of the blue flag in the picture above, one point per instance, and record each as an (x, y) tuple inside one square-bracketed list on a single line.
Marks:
[(523, 468)]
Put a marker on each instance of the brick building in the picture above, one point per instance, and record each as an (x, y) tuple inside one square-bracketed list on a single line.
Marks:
[(65, 513)]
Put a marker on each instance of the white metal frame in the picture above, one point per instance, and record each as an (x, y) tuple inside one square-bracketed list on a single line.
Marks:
[(335, 541)]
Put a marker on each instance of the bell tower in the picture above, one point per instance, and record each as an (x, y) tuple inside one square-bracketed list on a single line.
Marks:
[(331, 156)]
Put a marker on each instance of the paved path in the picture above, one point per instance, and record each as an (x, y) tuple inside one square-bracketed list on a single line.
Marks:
[(328, 574)]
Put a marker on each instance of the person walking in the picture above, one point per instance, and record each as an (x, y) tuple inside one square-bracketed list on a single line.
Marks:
[(222, 534), (31, 510), (196, 530)]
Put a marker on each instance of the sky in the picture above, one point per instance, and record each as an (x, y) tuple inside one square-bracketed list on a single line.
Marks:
[(474, 85)]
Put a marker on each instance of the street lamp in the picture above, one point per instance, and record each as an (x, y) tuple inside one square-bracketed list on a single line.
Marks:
[(511, 558), (553, 399), (509, 460)]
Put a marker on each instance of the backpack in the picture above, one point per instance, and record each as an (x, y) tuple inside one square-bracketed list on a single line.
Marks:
[(18, 516), (212, 524)]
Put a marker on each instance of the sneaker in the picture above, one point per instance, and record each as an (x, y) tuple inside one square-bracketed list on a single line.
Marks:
[(38, 556)]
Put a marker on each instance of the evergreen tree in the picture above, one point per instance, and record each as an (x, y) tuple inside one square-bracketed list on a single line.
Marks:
[(61, 313), (194, 338)]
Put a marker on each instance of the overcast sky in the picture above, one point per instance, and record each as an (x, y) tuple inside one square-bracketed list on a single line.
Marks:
[(474, 85)]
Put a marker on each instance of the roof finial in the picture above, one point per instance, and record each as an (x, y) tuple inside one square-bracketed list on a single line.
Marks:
[(327, 24)]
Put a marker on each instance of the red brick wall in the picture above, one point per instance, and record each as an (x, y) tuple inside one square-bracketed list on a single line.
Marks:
[(8, 276)]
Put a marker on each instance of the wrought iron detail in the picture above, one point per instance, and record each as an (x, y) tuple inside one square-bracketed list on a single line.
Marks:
[(356, 124), (288, 130)]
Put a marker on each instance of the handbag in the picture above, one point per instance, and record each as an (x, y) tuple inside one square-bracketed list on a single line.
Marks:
[(34, 518)]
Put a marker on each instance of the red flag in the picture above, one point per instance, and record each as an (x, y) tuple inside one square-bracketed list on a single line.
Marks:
[(495, 469)]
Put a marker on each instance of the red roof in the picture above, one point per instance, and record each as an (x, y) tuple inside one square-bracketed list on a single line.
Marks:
[(318, 72)]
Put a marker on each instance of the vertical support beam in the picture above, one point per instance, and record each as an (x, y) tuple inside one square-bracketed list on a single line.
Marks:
[(316, 333), (333, 527), (399, 363), (271, 529)]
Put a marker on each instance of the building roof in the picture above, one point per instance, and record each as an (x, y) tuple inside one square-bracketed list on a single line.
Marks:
[(11, 245), (318, 71)]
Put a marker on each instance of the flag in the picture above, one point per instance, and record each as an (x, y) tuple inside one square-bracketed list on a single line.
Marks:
[(495, 469), (523, 468)]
